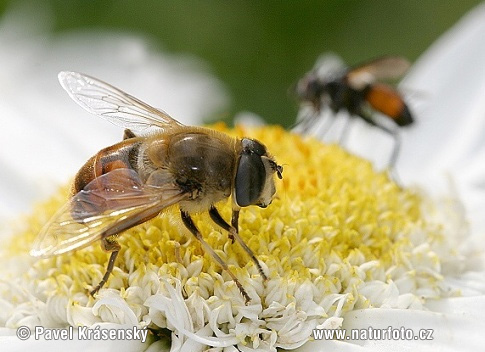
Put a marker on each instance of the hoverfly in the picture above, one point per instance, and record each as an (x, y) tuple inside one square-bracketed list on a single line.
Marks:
[(358, 90), (133, 181)]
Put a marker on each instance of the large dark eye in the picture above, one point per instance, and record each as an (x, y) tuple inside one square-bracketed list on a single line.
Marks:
[(253, 146), (250, 178)]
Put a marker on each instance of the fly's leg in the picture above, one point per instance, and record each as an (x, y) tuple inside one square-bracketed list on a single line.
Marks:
[(234, 233), (112, 246), (189, 223), (394, 133), (395, 151), (234, 223)]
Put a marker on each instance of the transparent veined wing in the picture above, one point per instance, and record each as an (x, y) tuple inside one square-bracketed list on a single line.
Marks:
[(112, 104), (382, 68), (108, 205)]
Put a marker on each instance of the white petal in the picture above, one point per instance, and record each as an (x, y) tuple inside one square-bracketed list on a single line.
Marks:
[(178, 318), (110, 307), (448, 138), (457, 327)]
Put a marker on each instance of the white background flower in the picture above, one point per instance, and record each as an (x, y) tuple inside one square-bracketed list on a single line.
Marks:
[(444, 153)]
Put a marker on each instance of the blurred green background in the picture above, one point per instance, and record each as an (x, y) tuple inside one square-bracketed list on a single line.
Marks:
[(260, 48)]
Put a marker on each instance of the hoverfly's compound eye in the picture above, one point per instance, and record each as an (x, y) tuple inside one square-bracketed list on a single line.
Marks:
[(251, 146), (251, 173), (250, 179)]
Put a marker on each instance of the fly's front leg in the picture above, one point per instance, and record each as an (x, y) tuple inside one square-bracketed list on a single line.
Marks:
[(189, 223), (233, 230), (394, 133), (112, 246), (234, 223), (395, 151), (305, 124)]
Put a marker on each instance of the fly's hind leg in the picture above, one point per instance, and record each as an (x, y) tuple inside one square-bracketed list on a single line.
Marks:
[(109, 245), (234, 234), (189, 223)]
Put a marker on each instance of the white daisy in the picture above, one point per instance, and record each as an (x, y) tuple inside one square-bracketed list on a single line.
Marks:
[(442, 155)]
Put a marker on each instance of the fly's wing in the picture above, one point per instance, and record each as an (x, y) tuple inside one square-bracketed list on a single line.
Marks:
[(108, 205), (114, 105), (383, 68)]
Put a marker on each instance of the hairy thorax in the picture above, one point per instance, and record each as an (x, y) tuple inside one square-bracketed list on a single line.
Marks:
[(200, 164)]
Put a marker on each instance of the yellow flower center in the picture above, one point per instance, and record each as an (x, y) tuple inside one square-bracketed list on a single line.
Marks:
[(336, 227)]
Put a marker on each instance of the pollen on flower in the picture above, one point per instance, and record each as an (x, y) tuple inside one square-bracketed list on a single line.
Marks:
[(337, 237)]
